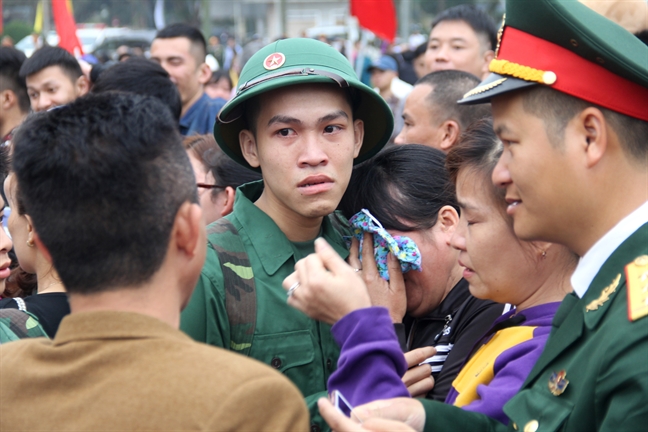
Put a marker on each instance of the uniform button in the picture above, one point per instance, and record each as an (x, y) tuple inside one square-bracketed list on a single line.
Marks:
[(276, 362), (315, 428), (532, 426), (329, 363), (515, 426)]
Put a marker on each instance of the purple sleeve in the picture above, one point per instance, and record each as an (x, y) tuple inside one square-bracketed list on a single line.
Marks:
[(511, 370), (371, 362)]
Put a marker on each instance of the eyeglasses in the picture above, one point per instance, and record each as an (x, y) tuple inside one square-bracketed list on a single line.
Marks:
[(209, 186)]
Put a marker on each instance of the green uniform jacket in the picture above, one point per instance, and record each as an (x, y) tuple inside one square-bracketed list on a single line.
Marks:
[(302, 349), (603, 354)]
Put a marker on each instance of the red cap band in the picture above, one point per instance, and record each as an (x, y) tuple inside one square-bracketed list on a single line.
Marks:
[(575, 76)]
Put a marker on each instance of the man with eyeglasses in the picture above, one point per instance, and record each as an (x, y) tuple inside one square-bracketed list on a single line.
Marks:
[(302, 118)]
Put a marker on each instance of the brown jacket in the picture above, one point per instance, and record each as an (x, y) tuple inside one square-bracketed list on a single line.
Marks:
[(124, 371)]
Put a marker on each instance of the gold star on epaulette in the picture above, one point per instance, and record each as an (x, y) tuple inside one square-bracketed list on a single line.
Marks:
[(605, 295)]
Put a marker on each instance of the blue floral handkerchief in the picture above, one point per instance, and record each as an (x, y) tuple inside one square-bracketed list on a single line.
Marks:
[(402, 247)]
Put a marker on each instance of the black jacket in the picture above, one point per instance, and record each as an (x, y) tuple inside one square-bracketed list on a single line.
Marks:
[(453, 328)]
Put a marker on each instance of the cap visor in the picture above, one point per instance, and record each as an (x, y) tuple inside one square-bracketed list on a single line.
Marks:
[(492, 86)]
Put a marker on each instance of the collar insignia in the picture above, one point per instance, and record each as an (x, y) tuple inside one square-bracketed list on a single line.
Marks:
[(605, 295)]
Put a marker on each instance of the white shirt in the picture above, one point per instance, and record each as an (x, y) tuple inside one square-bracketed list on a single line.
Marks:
[(593, 260)]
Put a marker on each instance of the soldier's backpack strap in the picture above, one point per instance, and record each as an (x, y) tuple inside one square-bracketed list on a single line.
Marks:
[(238, 281)]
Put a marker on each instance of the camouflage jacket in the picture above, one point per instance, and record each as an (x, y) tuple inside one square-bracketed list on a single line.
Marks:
[(302, 349)]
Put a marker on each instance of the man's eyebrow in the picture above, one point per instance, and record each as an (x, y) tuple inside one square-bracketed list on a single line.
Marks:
[(283, 119), (333, 116)]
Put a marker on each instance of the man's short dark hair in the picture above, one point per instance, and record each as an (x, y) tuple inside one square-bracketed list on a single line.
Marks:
[(143, 77), (556, 109), (10, 62), (194, 35), (51, 56), (103, 178), (481, 23), (448, 86)]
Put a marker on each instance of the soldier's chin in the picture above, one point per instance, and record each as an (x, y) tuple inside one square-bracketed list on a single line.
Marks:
[(320, 210)]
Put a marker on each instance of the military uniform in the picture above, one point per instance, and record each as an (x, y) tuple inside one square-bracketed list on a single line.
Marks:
[(593, 372), (302, 349)]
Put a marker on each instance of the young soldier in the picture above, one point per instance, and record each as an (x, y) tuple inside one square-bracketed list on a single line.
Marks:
[(302, 118), (569, 93), (53, 78), (113, 201)]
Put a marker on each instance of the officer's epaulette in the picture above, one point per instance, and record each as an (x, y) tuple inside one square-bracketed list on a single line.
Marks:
[(637, 283)]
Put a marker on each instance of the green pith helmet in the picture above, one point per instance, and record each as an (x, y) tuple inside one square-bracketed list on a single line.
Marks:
[(302, 61), (570, 48)]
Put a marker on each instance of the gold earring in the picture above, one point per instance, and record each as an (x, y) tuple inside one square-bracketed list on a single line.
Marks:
[(544, 254), (30, 243)]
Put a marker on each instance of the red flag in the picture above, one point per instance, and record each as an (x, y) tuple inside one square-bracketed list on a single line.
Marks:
[(379, 16), (1, 18), (66, 27)]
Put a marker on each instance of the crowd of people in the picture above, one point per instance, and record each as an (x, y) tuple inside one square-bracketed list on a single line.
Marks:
[(299, 250)]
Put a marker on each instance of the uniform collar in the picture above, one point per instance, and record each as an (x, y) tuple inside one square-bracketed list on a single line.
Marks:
[(589, 265), (270, 243)]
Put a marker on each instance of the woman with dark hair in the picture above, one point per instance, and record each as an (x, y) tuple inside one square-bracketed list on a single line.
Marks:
[(533, 276), (407, 191), (49, 302), (217, 176)]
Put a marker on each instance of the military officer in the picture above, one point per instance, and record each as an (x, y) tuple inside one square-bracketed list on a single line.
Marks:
[(302, 118), (569, 94)]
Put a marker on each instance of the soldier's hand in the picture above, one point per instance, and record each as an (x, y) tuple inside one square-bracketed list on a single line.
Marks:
[(418, 379), (328, 287), (389, 294)]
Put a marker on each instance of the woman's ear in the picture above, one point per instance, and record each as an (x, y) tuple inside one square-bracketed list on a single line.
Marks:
[(540, 248), (448, 219), (30, 230)]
